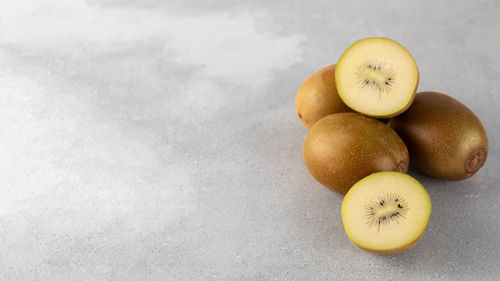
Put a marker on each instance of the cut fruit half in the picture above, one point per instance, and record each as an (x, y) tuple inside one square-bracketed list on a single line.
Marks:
[(377, 77), (386, 212)]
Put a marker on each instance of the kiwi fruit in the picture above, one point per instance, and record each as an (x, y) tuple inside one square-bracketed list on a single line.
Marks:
[(386, 212), (377, 77), (445, 139), (318, 97), (343, 148)]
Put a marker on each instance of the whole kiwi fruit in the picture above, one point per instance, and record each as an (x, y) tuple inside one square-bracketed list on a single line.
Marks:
[(343, 148), (445, 139), (318, 97)]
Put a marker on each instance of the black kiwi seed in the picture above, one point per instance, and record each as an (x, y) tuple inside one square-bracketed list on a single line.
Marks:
[(368, 81), (382, 202)]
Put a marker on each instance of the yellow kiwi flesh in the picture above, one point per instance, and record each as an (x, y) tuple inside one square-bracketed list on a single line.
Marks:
[(343, 148), (386, 212), (445, 139), (318, 97), (377, 77)]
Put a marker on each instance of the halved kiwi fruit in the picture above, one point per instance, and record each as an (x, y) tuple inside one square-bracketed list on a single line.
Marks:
[(318, 97), (377, 77), (343, 148), (386, 212), (445, 139)]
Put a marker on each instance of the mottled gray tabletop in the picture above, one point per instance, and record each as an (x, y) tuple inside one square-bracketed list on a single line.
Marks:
[(158, 140)]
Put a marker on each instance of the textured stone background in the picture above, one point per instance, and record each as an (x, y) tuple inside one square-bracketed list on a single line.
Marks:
[(157, 140)]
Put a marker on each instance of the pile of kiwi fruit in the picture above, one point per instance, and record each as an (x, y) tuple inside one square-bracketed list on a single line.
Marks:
[(367, 125)]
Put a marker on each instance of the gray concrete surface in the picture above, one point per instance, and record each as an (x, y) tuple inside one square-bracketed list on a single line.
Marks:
[(157, 140)]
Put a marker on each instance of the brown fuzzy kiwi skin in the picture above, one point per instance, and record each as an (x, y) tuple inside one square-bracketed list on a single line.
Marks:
[(445, 139), (343, 148), (318, 97)]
